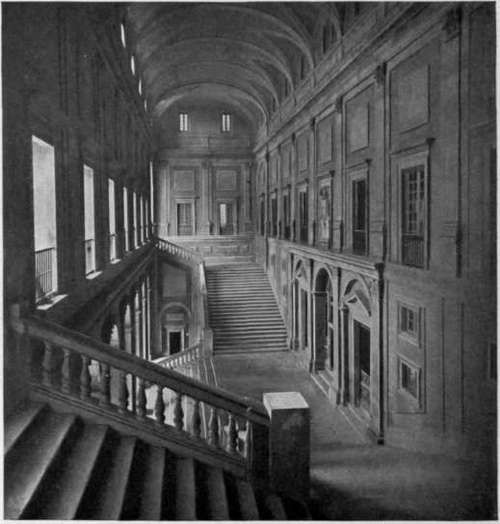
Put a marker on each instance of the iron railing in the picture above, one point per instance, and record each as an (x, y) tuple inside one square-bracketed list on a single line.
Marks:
[(89, 247), (45, 272)]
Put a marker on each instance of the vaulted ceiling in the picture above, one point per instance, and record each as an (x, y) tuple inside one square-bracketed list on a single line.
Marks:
[(240, 54)]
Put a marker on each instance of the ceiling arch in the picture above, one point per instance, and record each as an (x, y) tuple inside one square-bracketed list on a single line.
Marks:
[(243, 51)]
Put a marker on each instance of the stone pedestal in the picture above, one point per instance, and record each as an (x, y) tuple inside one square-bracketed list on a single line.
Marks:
[(289, 443)]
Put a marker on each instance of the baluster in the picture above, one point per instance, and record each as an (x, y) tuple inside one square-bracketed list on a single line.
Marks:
[(196, 419), (141, 398), (247, 439), (47, 364), (213, 428), (159, 406), (85, 378), (178, 412), (232, 443), (105, 381), (122, 392), (66, 378)]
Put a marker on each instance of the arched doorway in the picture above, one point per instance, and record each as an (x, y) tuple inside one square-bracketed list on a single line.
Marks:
[(323, 353), (175, 321), (301, 311)]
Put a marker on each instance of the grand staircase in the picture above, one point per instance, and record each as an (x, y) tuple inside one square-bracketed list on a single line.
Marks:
[(243, 312), (58, 466)]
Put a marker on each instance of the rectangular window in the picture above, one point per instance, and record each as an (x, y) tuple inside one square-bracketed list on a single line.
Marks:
[(274, 215), (286, 216), (112, 219), (185, 219), (409, 379), (125, 218), (183, 121), (226, 122), (359, 217), (89, 218), (303, 215), (44, 218), (408, 322), (413, 215)]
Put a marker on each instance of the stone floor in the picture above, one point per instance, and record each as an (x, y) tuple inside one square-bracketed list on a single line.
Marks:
[(351, 478)]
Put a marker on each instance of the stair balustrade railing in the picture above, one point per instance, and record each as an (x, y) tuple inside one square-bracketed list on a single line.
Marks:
[(63, 364), (189, 255)]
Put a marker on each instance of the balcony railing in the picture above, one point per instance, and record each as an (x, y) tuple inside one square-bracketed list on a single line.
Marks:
[(45, 272), (359, 242), (112, 246), (89, 247), (413, 250)]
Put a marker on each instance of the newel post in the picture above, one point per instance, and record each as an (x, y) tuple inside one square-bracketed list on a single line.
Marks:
[(289, 443)]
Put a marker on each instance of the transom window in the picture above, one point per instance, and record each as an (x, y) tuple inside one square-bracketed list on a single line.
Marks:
[(226, 122), (183, 121)]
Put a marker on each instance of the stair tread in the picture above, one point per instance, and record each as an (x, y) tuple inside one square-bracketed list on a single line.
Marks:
[(217, 496), (35, 454), (246, 499), (17, 423), (151, 500), (185, 496), (109, 504), (70, 486)]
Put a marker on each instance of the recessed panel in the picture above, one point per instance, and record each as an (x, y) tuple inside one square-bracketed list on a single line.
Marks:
[(226, 180), (413, 98), (184, 180)]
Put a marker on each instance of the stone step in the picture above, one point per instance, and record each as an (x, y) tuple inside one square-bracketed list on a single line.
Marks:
[(30, 459), (109, 502)]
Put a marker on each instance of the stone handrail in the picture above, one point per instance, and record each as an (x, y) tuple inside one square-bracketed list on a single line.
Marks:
[(145, 393), (187, 254), (188, 356)]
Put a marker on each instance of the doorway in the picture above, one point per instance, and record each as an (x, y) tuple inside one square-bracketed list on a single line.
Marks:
[(174, 341), (363, 370), (226, 226)]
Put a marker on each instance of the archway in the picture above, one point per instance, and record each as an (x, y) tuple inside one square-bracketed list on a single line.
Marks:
[(175, 322), (300, 308), (323, 357)]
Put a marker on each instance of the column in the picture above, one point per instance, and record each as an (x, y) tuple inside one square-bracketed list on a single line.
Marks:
[(205, 198), (311, 221)]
